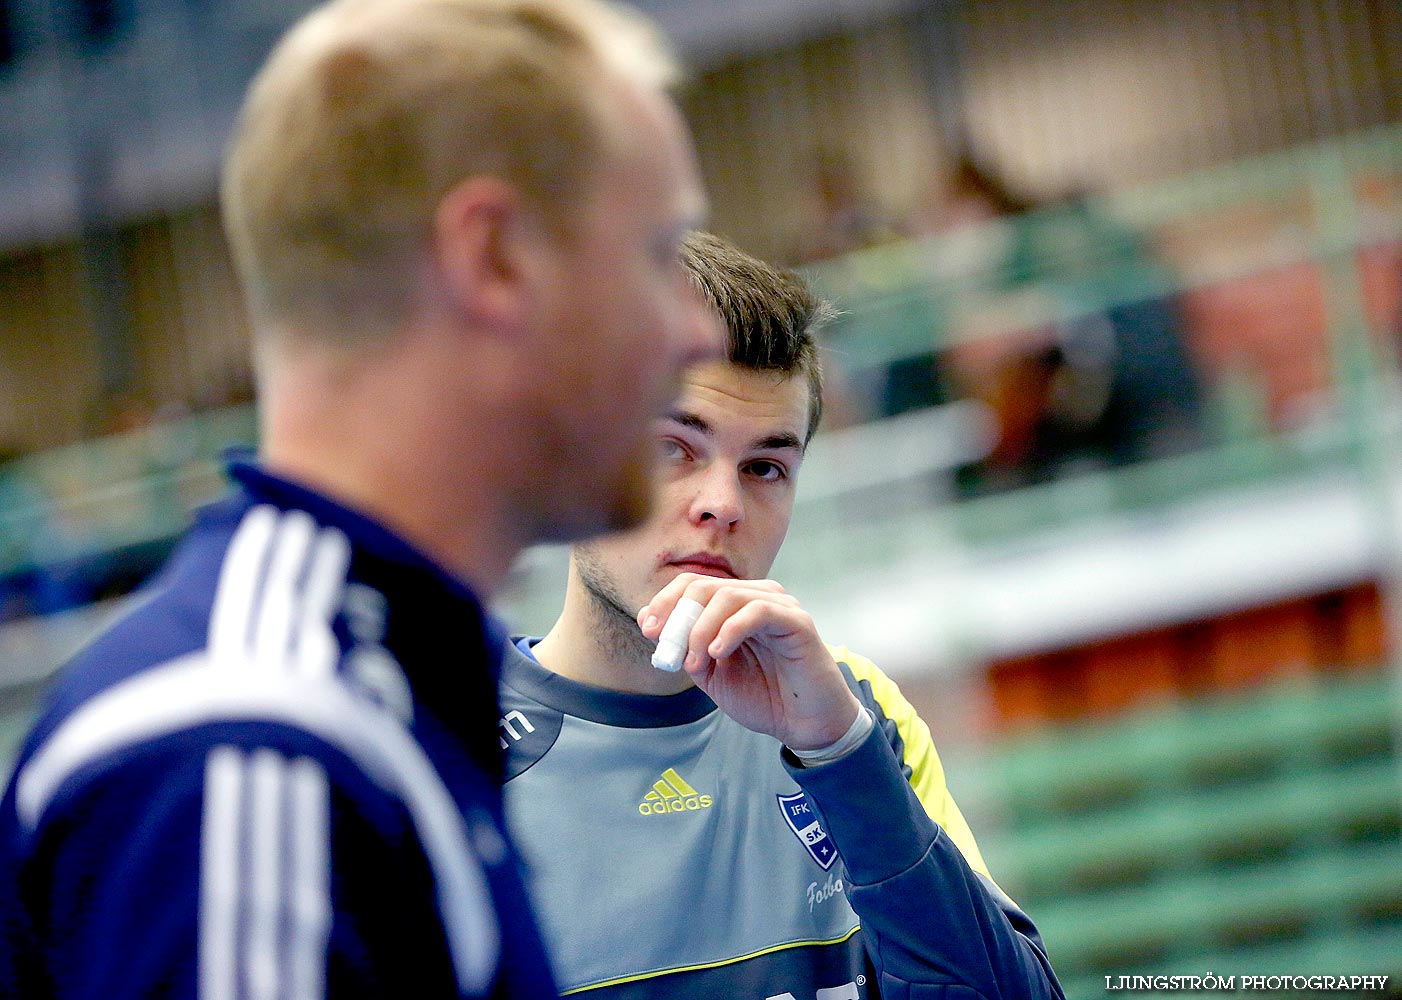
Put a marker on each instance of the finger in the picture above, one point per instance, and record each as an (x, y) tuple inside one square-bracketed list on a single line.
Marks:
[(673, 643), (721, 605), (771, 623), (700, 588), (655, 613), (753, 607)]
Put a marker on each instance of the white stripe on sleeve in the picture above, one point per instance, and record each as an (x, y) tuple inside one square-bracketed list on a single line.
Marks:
[(265, 909), (317, 649), (238, 587), (220, 826), (279, 590), (264, 887), (308, 881), (274, 615)]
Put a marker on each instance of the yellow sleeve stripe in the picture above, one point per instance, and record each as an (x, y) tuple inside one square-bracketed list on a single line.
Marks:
[(927, 773), (709, 965)]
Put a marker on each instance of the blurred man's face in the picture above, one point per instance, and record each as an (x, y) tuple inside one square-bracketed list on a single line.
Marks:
[(626, 322), (730, 451)]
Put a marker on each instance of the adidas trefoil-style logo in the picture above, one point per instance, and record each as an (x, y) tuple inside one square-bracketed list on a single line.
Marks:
[(671, 794)]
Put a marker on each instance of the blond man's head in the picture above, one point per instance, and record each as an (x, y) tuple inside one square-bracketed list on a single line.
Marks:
[(370, 111)]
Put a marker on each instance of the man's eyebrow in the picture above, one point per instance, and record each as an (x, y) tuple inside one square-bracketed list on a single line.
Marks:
[(691, 420), (778, 442), (772, 442)]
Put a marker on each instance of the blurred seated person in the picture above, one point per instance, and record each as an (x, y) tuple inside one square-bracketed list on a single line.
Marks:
[(843, 217), (1110, 385)]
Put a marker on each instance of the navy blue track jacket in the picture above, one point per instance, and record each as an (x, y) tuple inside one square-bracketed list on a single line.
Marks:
[(277, 778)]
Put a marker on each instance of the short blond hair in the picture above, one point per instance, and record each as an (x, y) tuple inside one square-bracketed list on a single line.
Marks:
[(369, 111)]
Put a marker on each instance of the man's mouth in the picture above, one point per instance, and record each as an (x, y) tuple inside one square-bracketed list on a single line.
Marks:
[(704, 564)]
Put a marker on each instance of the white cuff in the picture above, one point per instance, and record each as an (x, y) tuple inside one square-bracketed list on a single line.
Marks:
[(845, 744)]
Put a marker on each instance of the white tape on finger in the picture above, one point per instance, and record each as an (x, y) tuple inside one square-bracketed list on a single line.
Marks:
[(671, 644)]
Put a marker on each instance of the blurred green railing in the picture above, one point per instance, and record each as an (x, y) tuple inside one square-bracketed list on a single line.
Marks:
[(1101, 251), (1256, 833), (118, 494), (1324, 205), (76, 512)]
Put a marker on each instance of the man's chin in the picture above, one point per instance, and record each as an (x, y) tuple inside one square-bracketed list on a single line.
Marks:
[(633, 499), (618, 503)]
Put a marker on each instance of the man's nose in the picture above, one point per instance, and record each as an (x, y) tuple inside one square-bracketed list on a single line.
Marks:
[(718, 499)]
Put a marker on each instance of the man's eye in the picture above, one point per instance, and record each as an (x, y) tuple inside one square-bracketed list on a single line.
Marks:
[(768, 471), (670, 449)]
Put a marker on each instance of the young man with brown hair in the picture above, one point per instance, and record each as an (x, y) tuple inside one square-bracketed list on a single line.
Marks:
[(684, 826)]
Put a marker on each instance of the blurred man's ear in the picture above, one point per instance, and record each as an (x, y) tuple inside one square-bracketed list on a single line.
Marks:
[(489, 246)]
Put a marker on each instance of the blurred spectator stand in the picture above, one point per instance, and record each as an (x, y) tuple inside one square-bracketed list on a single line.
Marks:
[(91, 520)]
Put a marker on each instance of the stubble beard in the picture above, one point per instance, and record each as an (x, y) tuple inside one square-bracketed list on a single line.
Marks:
[(617, 626)]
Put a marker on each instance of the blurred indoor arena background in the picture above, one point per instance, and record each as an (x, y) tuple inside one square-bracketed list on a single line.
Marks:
[(1111, 480)]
